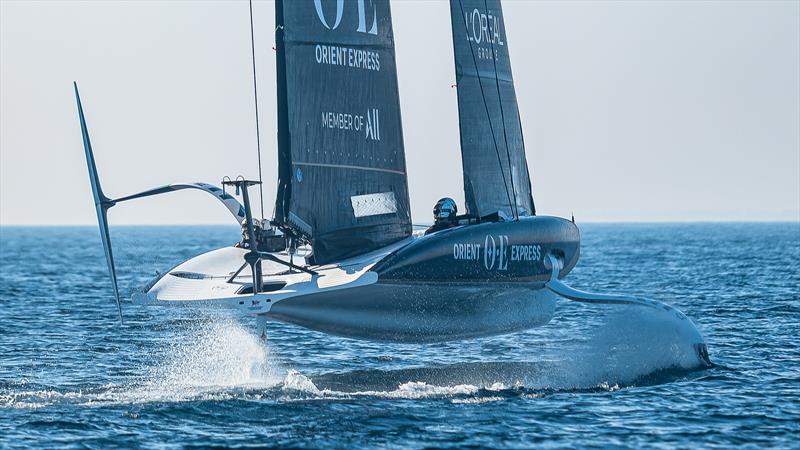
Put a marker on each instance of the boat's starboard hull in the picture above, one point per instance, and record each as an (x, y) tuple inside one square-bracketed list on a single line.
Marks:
[(420, 312), (514, 251)]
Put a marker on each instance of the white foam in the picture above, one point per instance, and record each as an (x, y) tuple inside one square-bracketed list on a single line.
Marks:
[(295, 381), (476, 400), (419, 389), (632, 342), (221, 359), (210, 359), (205, 361), (39, 399)]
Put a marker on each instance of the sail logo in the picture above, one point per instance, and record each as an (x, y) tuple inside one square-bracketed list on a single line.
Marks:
[(484, 30), (362, 15), (373, 125), (369, 123), (335, 55)]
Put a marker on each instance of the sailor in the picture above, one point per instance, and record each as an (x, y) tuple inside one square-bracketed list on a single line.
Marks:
[(444, 215), (245, 242)]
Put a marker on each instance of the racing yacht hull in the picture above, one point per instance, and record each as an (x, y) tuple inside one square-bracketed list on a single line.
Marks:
[(419, 313), (470, 281)]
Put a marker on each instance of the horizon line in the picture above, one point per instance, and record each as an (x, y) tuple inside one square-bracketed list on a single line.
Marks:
[(589, 222)]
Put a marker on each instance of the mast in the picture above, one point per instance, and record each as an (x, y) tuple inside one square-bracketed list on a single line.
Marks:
[(284, 152)]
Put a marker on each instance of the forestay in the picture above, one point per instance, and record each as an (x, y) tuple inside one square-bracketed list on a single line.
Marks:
[(492, 149), (342, 171)]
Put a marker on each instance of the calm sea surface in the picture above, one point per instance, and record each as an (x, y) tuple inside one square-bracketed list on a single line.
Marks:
[(71, 376)]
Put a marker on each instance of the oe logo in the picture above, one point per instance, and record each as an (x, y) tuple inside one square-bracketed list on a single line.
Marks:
[(362, 16), (495, 251)]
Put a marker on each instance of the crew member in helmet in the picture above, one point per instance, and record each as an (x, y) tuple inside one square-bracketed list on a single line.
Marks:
[(245, 242), (444, 215)]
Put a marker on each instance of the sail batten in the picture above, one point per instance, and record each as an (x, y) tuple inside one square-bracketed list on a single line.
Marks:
[(342, 170), (496, 177), (345, 166)]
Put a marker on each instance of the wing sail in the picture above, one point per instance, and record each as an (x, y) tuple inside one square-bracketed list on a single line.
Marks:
[(495, 169)]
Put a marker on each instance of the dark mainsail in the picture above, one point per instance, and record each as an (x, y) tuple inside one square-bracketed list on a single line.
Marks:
[(342, 171), (492, 149)]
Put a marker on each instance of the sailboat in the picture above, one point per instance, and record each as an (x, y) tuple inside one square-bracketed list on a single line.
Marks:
[(339, 254)]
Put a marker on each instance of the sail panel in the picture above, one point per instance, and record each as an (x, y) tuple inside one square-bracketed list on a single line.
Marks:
[(342, 171), (495, 169)]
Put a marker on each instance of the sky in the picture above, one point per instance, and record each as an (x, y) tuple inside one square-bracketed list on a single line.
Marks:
[(631, 111)]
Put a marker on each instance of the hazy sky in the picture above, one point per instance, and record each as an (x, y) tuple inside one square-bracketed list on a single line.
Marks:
[(632, 111)]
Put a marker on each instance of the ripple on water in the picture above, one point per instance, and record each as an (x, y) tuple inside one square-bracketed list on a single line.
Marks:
[(71, 375)]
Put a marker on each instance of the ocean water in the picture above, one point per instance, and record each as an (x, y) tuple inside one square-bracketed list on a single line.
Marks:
[(595, 376)]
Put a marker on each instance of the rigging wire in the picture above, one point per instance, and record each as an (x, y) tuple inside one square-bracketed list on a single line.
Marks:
[(486, 107), (255, 97), (515, 208)]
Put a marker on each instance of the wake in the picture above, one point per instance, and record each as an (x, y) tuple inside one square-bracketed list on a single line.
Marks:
[(222, 359)]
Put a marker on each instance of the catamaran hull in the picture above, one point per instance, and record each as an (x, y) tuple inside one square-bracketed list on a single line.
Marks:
[(420, 312)]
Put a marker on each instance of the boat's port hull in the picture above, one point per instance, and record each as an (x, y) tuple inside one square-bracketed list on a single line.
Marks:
[(420, 312)]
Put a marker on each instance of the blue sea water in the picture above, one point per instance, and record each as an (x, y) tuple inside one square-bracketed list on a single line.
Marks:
[(595, 376)]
